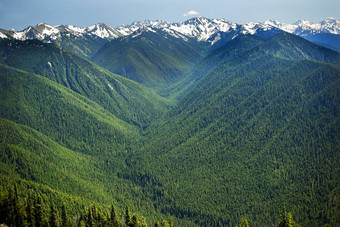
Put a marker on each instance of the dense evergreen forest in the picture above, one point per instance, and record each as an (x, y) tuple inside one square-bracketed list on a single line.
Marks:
[(243, 134)]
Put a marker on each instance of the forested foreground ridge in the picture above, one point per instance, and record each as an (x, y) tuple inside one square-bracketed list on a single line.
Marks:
[(37, 210), (244, 132)]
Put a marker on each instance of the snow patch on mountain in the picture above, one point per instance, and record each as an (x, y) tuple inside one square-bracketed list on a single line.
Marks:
[(304, 27), (2, 36), (290, 28), (76, 30), (200, 28)]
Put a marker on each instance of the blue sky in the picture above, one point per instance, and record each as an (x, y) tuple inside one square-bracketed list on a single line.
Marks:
[(19, 14)]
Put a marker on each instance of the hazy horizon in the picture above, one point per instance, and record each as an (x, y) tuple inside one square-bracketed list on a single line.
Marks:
[(19, 14)]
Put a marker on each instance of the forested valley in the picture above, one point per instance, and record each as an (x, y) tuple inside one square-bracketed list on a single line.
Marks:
[(158, 131)]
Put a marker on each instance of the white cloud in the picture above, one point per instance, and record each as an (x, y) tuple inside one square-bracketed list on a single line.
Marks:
[(190, 13)]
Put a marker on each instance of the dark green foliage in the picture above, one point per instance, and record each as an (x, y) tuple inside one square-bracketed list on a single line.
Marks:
[(253, 133), (39, 212), (230, 50), (13, 211), (90, 221), (127, 217), (290, 46), (47, 214), (64, 217), (256, 126), (143, 222), (30, 211), (134, 221), (153, 59), (125, 99), (165, 223), (157, 224), (244, 223), (113, 217), (286, 219), (61, 114), (54, 217)]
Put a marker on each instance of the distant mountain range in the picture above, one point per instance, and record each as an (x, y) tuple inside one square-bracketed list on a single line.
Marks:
[(158, 53), (326, 32)]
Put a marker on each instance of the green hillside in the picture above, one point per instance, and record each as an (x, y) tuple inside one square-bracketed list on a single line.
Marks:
[(64, 146), (38, 167), (153, 59), (63, 115), (230, 50), (124, 98), (250, 137), (293, 47), (248, 130)]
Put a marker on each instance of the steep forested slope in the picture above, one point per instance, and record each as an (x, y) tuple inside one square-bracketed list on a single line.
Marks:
[(63, 146), (153, 58), (65, 134), (255, 126), (231, 49), (254, 134), (126, 99), (61, 114)]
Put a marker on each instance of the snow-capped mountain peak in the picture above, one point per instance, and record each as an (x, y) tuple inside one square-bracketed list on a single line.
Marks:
[(39, 31), (103, 31), (199, 28), (202, 28), (290, 28), (48, 32)]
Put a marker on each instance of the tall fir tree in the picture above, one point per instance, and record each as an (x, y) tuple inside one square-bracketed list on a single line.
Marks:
[(143, 222), (90, 221), (244, 223), (81, 221), (156, 224), (165, 223), (64, 217), (54, 218), (10, 209), (134, 221), (171, 222), (127, 216), (287, 219), (39, 214), (18, 209), (113, 217), (30, 211)]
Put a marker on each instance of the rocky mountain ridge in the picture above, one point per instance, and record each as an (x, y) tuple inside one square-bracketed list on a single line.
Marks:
[(203, 29)]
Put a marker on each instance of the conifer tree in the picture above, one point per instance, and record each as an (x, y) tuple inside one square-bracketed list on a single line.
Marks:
[(30, 211), (127, 216), (287, 219), (134, 221), (90, 221), (10, 210), (39, 215), (113, 217), (143, 222), (244, 223), (54, 219), (157, 224), (165, 223), (171, 223), (19, 216), (81, 221), (64, 217)]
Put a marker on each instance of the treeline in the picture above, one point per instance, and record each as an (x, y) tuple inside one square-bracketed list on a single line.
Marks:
[(32, 210)]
